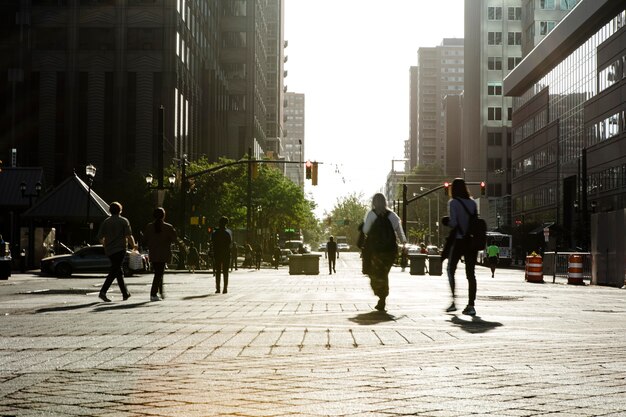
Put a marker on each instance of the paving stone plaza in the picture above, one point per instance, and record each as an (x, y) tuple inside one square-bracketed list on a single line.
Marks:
[(296, 345)]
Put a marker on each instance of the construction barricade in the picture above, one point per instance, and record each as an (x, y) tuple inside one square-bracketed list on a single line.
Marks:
[(534, 268), (575, 270)]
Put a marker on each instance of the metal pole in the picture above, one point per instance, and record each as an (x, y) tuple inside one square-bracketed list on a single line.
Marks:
[(404, 190), (159, 149), (183, 194), (429, 223), (249, 202)]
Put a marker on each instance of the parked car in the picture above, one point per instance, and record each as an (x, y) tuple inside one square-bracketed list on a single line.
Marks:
[(432, 250), (343, 247), (284, 256), (413, 249), (322, 247), (89, 259)]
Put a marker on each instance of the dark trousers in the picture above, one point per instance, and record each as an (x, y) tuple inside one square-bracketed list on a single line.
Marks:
[(332, 262), (379, 267), (461, 247), (222, 262), (115, 272), (157, 281)]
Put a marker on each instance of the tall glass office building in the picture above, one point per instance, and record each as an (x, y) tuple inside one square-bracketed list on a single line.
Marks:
[(568, 152)]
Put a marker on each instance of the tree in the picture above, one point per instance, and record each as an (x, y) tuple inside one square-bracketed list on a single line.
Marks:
[(346, 216)]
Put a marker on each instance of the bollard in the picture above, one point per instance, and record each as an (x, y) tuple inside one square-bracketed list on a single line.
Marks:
[(534, 268), (575, 270)]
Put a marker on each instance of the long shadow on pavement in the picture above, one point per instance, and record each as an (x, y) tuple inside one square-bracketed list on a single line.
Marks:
[(65, 308), (194, 297), (475, 325), (125, 306), (373, 317)]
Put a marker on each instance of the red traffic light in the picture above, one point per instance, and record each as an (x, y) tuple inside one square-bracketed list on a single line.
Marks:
[(482, 188), (446, 188), (309, 169)]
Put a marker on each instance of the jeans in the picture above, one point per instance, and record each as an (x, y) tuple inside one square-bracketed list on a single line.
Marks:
[(461, 247), (115, 272), (157, 281)]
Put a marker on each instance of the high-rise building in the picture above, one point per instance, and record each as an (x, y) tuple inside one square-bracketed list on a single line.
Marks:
[(495, 31), (293, 140), (86, 79), (439, 73)]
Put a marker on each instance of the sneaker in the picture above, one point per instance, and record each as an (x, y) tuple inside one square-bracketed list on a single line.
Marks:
[(225, 291), (451, 308), (380, 306), (469, 310), (217, 291), (126, 297), (104, 298), (154, 298)]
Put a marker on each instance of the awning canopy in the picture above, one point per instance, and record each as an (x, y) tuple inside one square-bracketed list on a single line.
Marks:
[(10, 179), (68, 202)]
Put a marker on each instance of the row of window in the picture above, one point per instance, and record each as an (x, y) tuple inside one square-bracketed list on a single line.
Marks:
[(613, 178), (495, 113), (551, 4), (532, 125), (538, 160), (612, 74), (495, 38), (495, 13), (607, 128), (539, 197), (494, 63)]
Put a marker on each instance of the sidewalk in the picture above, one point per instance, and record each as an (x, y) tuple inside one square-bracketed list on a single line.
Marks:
[(281, 345)]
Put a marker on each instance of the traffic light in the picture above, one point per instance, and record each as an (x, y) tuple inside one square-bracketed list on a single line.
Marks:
[(446, 188), (309, 169), (314, 174), (482, 187)]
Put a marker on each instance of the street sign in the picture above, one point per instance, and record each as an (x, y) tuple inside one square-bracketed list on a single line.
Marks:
[(546, 233)]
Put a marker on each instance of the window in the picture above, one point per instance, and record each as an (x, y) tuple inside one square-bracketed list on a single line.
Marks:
[(494, 89), (494, 63), (546, 26), (509, 114), (96, 39), (514, 38), (547, 4), (494, 139), (494, 164), (494, 13), (513, 62), (494, 113), (515, 13), (494, 38), (568, 4)]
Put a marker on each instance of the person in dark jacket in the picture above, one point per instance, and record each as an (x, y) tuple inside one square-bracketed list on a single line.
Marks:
[(332, 254), (222, 240), (158, 236)]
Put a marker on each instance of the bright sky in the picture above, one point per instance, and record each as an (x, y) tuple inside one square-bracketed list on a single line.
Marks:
[(351, 59)]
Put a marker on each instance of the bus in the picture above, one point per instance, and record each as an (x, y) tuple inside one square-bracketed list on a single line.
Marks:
[(504, 242)]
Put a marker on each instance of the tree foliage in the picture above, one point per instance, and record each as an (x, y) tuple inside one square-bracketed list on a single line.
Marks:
[(346, 215)]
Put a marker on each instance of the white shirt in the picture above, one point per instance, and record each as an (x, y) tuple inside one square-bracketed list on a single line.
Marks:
[(370, 217)]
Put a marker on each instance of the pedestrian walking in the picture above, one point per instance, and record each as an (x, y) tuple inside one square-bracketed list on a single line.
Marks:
[(248, 255), (114, 233), (493, 256), (277, 256), (193, 257), (382, 229), (258, 255), (233, 256), (158, 237), (222, 241), (459, 208), (332, 254)]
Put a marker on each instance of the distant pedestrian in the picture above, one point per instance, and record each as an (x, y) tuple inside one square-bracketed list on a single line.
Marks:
[(258, 255), (233, 256), (493, 256), (247, 256), (222, 241), (277, 256), (114, 233), (459, 208), (382, 229), (332, 254), (193, 257), (158, 237)]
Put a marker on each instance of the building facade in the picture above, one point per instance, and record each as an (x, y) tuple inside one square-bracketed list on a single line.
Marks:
[(438, 74), (293, 141), (569, 121), (496, 33), (87, 79)]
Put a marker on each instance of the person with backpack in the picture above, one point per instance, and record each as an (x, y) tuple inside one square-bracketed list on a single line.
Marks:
[(461, 209), (382, 230), (221, 239)]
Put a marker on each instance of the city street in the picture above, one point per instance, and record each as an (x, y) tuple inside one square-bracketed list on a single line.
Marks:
[(294, 345)]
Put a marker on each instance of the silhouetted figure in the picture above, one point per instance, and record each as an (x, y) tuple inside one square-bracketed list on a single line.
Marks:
[(258, 255), (158, 236), (277, 256), (222, 241), (233, 256), (332, 254), (193, 258)]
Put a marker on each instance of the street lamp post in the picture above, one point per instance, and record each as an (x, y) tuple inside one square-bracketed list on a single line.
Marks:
[(90, 172), (31, 238)]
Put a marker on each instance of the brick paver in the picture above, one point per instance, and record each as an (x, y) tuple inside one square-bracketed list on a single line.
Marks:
[(281, 345)]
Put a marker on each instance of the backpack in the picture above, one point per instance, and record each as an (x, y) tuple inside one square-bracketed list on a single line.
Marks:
[(382, 237), (476, 231)]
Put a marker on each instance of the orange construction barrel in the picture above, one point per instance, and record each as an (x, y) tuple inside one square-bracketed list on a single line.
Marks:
[(534, 268), (575, 270)]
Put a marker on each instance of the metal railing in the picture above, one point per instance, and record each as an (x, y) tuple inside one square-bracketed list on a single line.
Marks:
[(556, 264)]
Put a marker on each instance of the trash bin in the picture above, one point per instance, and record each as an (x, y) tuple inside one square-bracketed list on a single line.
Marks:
[(418, 264), (434, 265), (5, 260)]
